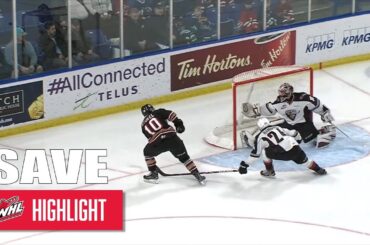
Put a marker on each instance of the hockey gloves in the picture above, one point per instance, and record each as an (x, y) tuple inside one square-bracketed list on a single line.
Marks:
[(243, 168), (180, 128)]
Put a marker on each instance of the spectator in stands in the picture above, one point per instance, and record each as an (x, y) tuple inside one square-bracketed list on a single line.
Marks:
[(101, 7), (27, 57), (182, 7), (47, 12), (146, 7), (134, 32), (284, 12), (249, 20), (157, 28), (204, 29), (78, 11), (54, 47), (271, 19), (182, 34), (116, 7), (6, 71), (229, 18), (44, 13), (210, 10), (81, 47), (102, 17)]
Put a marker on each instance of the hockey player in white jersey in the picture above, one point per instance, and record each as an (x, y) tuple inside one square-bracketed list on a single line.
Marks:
[(295, 108), (274, 142)]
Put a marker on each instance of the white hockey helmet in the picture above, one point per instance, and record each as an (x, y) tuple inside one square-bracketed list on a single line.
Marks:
[(285, 91), (263, 123)]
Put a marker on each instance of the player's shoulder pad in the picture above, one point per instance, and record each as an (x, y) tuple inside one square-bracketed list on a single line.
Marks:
[(276, 101), (159, 112), (302, 97), (162, 113)]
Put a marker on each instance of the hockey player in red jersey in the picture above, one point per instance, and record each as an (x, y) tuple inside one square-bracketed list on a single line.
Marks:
[(162, 138), (295, 108), (274, 142)]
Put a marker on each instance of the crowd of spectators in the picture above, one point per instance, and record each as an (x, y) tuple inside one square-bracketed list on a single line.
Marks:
[(246, 16), (95, 27)]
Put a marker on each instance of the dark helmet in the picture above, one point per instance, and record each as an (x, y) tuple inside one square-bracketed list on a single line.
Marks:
[(147, 109), (285, 91)]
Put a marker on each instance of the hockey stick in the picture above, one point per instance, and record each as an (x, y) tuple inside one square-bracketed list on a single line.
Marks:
[(208, 172), (341, 131)]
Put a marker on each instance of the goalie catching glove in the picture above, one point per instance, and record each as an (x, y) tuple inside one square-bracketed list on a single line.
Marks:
[(250, 110), (243, 168), (180, 128)]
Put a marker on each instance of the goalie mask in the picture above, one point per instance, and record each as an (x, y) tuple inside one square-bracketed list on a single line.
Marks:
[(147, 109), (285, 91), (263, 123)]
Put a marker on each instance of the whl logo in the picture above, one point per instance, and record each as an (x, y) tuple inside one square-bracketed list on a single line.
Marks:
[(10, 209)]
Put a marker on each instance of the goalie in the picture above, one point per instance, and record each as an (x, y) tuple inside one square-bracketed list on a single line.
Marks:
[(295, 108)]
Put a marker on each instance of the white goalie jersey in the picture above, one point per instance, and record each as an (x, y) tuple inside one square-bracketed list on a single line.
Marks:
[(296, 111)]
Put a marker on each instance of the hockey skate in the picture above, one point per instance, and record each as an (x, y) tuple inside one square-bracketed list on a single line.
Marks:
[(201, 179), (268, 173), (152, 177), (321, 171)]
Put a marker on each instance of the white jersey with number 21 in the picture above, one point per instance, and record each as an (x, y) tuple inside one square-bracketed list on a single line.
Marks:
[(275, 137)]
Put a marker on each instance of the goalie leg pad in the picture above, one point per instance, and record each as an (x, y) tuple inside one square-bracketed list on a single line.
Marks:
[(327, 134), (330, 130), (323, 140)]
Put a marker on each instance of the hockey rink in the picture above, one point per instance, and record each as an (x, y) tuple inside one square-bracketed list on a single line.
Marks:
[(295, 207)]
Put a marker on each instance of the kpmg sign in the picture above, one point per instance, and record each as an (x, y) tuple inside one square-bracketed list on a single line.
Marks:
[(320, 42), (356, 36)]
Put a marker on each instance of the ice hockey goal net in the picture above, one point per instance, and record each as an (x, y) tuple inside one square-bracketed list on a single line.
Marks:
[(257, 87)]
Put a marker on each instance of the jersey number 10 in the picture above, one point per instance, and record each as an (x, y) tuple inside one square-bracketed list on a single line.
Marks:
[(153, 126)]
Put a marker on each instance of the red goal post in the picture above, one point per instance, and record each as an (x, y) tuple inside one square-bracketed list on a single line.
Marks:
[(257, 87)]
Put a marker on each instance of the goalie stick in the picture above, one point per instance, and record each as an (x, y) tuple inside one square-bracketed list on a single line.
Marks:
[(207, 172), (340, 130)]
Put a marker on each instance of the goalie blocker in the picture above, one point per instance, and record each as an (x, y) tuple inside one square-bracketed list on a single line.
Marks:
[(295, 109)]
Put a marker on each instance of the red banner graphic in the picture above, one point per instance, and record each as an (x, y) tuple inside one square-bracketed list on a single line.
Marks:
[(225, 61), (61, 210)]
